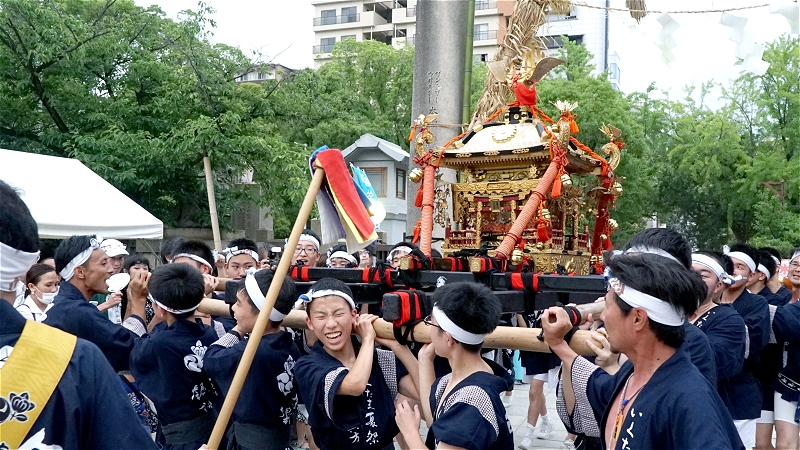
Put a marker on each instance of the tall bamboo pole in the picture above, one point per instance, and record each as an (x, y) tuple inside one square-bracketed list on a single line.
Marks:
[(212, 204), (263, 316)]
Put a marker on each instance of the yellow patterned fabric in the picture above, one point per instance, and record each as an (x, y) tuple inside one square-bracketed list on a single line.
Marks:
[(29, 377)]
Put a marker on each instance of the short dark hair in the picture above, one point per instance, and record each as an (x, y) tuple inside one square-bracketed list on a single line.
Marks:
[(18, 230), (243, 244), (196, 248), (748, 250), (665, 239), (286, 296), (178, 286), (664, 279), (70, 248), (472, 306), (767, 262), (35, 274), (168, 246), (325, 284), (772, 251), (134, 259)]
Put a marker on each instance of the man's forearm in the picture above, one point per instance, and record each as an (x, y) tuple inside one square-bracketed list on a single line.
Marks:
[(567, 356), (135, 307), (426, 379), (355, 382), (412, 365)]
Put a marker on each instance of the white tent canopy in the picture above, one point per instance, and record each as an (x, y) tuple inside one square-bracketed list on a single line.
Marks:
[(67, 198)]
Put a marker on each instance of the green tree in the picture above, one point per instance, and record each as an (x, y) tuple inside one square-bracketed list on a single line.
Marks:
[(599, 103), (141, 99), (365, 88)]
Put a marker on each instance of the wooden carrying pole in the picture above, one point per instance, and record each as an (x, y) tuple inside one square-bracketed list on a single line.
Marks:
[(502, 337), (263, 316), (212, 204)]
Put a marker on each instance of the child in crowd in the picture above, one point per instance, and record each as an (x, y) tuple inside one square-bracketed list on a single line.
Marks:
[(168, 363), (464, 408), (349, 390), (267, 404)]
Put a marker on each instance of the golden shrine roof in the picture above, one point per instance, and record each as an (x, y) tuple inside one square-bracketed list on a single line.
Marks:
[(512, 143)]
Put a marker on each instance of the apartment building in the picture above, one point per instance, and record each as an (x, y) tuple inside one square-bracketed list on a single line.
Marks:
[(267, 72), (394, 22)]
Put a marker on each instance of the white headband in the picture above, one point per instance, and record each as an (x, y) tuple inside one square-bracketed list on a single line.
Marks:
[(308, 237), (172, 310), (251, 286), (193, 258), (657, 310), (69, 270), (710, 263), (14, 264), (458, 333), (652, 251), (794, 255), (764, 270), (744, 257), (398, 249), (341, 254), (312, 294), (243, 251)]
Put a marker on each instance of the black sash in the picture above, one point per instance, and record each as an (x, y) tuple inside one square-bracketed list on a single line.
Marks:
[(261, 437), (194, 430)]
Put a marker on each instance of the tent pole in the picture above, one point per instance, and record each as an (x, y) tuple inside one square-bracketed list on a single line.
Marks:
[(212, 204)]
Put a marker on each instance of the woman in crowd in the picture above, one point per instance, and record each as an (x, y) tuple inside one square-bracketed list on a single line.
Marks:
[(41, 284)]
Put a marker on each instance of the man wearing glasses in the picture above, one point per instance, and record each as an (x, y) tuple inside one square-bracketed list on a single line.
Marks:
[(307, 250)]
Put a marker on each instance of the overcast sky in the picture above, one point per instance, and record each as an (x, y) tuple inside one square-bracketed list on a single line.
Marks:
[(282, 29)]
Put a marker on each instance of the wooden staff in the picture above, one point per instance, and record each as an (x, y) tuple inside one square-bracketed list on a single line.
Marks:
[(263, 316), (502, 337), (212, 204)]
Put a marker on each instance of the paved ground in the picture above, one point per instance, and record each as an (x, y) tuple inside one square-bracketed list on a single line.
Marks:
[(517, 413)]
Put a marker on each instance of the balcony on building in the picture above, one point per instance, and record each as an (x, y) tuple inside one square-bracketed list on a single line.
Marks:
[(403, 15), (336, 20), (485, 35)]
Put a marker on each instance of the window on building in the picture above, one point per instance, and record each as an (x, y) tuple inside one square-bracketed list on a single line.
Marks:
[(400, 182), (483, 57), (328, 17), (349, 15), (613, 71), (349, 36), (554, 42), (377, 177), (481, 32), (326, 44)]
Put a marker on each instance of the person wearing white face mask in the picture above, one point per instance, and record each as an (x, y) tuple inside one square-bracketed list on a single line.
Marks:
[(41, 287)]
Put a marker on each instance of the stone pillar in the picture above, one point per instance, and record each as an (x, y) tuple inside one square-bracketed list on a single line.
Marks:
[(439, 59)]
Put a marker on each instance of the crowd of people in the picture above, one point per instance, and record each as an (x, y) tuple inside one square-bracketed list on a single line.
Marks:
[(692, 350)]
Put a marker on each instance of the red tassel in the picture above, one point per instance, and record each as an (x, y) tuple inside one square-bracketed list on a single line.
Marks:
[(543, 232), (573, 127), (556, 192), (417, 230), (418, 200)]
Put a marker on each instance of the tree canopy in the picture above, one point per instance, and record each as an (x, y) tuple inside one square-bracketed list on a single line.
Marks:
[(141, 99)]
